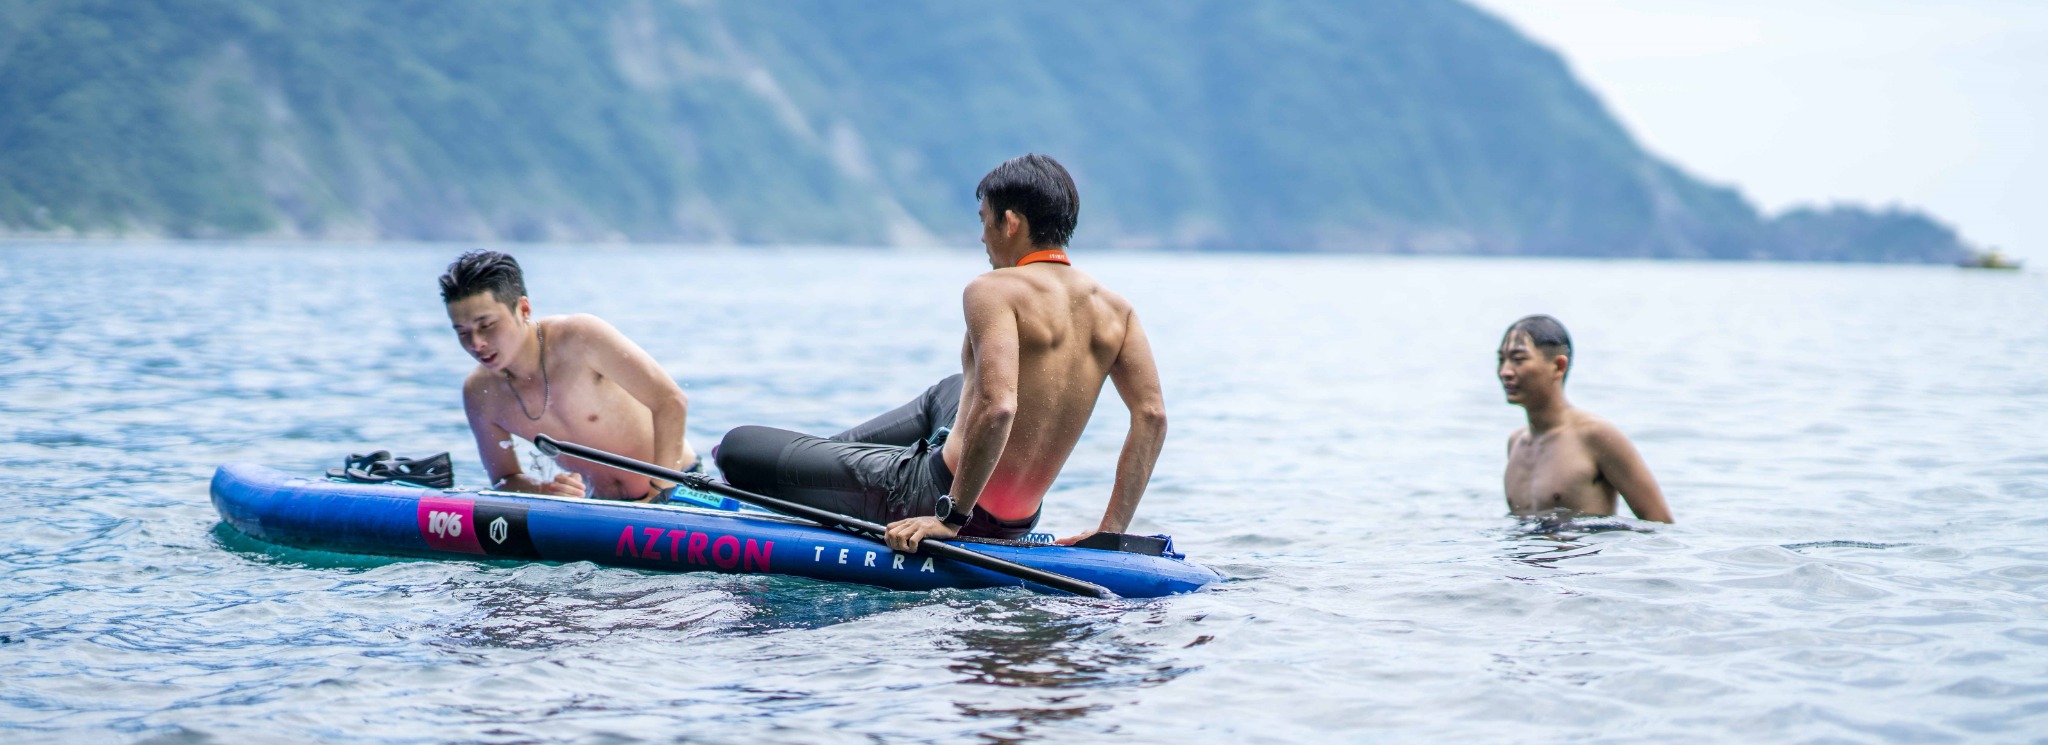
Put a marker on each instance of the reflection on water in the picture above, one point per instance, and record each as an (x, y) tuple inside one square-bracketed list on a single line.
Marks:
[(784, 603), (240, 544), (548, 607), (1024, 724), (1545, 550), (1856, 461), (1565, 525), (1029, 644), (1560, 534), (1841, 544), (1055, 649)]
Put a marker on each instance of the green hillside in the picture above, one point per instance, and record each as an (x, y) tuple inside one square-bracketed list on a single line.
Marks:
[(1390, 126)]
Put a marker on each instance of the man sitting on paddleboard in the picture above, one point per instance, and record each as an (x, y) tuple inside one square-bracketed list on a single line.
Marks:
[(1567, 458), (571, 377), (1041, 338)]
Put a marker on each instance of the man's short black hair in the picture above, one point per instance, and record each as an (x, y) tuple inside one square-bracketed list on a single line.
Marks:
[(1546, 334), (484, 271), (1038, 188)]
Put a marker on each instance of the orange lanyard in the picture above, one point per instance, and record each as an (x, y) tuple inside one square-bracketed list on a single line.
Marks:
[(1053, 255)]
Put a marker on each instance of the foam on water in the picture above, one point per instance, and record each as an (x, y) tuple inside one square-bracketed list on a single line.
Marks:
[(1858, 457)]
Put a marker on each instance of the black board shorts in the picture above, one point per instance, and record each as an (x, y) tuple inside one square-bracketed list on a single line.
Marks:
[(886, 469)]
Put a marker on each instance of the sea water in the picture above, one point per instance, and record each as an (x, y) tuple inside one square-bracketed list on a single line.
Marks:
[(1857, 457)]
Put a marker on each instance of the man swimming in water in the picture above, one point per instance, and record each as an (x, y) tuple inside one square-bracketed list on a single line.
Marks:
[(1042, 337), (572, 377), (1566, 458)]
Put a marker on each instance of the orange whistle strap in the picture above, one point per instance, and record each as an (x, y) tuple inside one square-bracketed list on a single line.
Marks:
[(1053, 255)]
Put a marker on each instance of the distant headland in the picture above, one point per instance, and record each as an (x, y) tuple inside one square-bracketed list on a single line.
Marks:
[(1404, 126)]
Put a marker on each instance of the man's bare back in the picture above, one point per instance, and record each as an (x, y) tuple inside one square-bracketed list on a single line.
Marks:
[(1041, 339), (1565, 459), (1069, 332)]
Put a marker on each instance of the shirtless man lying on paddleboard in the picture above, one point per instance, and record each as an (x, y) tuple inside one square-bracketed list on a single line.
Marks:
[(1566, 458), (571, 377), (1042, 337)]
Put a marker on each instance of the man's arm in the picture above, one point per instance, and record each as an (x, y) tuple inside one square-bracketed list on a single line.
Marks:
[(612, 355), (1136, 377), (1623, 467), (500, 463), (985, 417)]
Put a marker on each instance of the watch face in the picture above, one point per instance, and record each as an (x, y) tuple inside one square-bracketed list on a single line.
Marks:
[(945, 507)]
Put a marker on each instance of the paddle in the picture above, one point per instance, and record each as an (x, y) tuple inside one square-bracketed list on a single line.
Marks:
[(553, 447)]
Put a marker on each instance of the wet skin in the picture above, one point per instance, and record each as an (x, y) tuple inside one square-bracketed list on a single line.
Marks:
[(1567, 458), (600, 390), (1041, 341)]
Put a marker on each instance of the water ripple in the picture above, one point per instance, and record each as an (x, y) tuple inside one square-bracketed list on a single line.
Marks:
[(1856, 458)]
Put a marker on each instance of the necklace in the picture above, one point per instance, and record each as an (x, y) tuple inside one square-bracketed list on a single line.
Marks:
[(547, 390), (1052, 254)]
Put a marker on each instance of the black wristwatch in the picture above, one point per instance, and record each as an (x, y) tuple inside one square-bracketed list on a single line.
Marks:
[(948, 516)]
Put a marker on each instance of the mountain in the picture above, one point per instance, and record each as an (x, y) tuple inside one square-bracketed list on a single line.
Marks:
[(1415, 126)]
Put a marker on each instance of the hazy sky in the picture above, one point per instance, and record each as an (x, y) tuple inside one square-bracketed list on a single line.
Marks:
[(1939, 105)]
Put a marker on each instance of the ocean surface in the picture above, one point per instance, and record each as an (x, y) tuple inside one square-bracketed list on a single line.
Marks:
[(1857, 457)]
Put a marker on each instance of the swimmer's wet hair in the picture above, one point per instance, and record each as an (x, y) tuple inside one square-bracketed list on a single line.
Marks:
[(1037, 187), (484, 271), (1548, 335)]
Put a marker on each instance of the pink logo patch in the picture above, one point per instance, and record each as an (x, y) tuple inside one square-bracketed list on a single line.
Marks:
[(449, 525)]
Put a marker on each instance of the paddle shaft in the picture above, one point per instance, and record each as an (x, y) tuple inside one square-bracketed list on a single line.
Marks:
[(863, 528)]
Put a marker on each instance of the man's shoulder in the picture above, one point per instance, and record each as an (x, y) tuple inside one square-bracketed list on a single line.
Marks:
[(574, 326), (477, 388), (997, 290), (998, 282), (1595, 431), (1000, 285), (574, 334), (476, 380), (1111, 298)]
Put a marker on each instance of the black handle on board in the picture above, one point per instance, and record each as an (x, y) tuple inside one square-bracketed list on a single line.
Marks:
[(552, 447)]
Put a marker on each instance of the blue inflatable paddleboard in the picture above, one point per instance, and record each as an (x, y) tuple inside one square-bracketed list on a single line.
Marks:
[(393, 519)]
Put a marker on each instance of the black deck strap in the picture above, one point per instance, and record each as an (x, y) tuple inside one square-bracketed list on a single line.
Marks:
[(999, 542), (1125, 542)]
